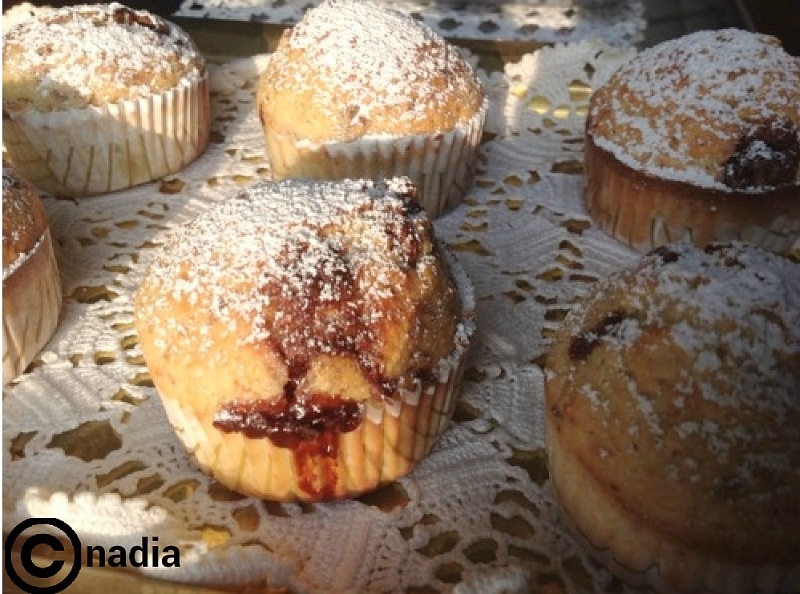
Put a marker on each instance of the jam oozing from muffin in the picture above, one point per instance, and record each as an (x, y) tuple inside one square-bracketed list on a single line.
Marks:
[(288, 422), (769, 156), (310, 429), (305, 322), (582, 346), (319, 314), (322, 315)]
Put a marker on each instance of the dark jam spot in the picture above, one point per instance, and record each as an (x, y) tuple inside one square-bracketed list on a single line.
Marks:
[(667, 255), (318, 300), (582, 345), (767, 157), (726, 254), (714, 248), (288, 423), (401, 238), (125, 16), (411, 202), (10, 180), (387, 388)]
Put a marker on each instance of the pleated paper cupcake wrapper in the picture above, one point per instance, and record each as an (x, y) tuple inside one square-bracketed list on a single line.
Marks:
[(31, 307), (395, 433), (648, 212), (441, 165), (384, 447), (647, 560), (96, 150)]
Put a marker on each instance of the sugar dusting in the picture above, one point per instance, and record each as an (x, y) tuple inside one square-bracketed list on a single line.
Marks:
[(735, 311), (78, 53), (342, 243), (686, 95), (375, 54), (16, 208)]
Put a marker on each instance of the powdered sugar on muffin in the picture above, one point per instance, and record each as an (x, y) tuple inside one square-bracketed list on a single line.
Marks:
[(717, 109), (376, 58), (307, 338), (729, 307), (302, 250), (96, 54), (673, 419), (24, 220), (19, 12)]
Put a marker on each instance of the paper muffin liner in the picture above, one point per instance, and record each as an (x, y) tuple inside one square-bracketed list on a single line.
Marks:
[(647, 212), (31, 307), (96, 150), (644, 558), (395, 433), (440, 164)]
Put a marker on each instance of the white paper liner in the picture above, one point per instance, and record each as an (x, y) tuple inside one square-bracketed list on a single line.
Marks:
[(96, 150), (441, 164), (31, 306), (394, 435)]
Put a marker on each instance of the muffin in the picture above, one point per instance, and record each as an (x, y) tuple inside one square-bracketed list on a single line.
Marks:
[(698, 139), (31, 284), (307, 338), (357, 90), (673, 420), (99, 97)]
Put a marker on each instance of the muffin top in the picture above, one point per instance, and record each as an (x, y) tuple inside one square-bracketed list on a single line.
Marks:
[(93, 54), (334, 288), (24, 220), (677, 382), (354, 68), (717, 109)]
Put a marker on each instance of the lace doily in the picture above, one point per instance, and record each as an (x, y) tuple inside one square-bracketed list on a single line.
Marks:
[(86, 440), (617, 22)]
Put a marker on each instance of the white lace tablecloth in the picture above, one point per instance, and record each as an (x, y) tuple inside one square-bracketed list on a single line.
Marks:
[(617, 22), (85, 438)]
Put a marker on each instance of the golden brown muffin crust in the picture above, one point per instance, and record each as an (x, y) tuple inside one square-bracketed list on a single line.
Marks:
[(93, 54), (327, 295), (717, 109), (24, 219), (676, 387), (351, 69)]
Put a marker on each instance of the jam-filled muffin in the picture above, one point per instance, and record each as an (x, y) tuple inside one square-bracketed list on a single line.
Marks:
[(306, 338), (698, 139), (673, 420), (100, 97), (358, 90), (31, 283)]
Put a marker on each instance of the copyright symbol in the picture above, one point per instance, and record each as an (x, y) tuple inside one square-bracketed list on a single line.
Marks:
[(48, 543)]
